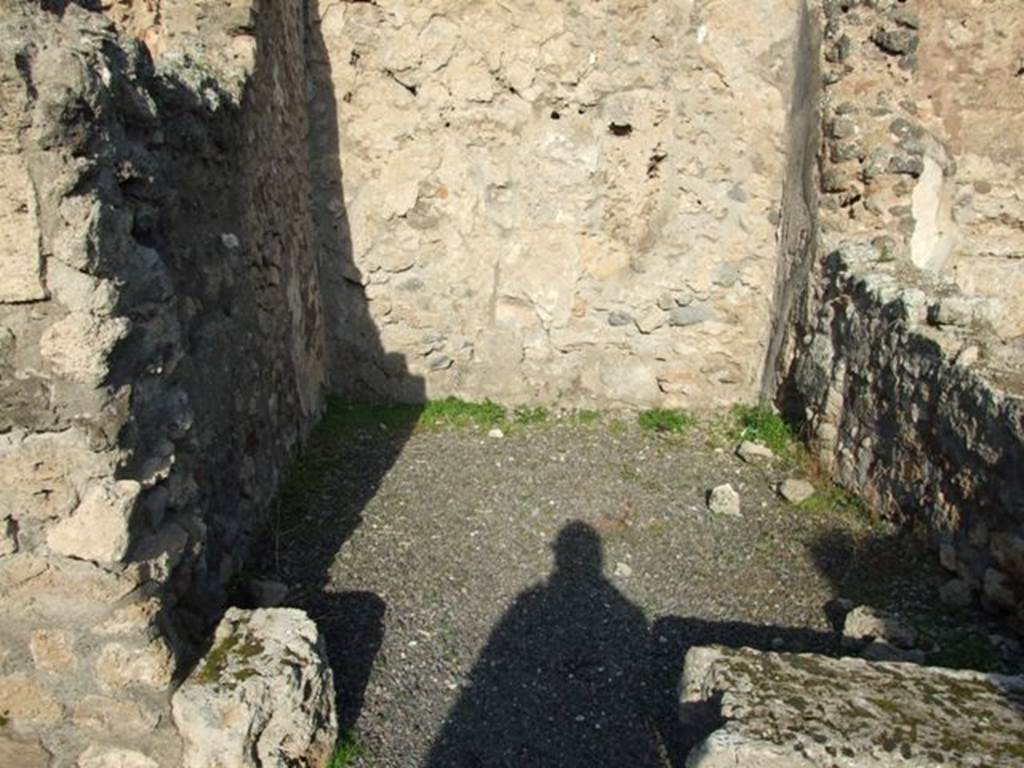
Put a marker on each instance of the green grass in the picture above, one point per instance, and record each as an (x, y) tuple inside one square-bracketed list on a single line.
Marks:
[(835, 499), (666, 420), (348, 749), (617, 427), (583, 417), (452, 412), (525, 415), (759, 424), (342, 416)]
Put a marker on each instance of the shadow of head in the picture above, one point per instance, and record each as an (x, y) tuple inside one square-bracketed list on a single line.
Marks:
[(578, 550)]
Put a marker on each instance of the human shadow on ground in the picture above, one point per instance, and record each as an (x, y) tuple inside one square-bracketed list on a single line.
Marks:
[(348, 456), (572, 675)]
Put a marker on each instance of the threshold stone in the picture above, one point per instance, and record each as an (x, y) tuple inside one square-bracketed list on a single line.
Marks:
[(805, 711)]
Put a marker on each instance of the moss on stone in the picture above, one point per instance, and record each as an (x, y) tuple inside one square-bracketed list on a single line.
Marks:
[(217, 660)]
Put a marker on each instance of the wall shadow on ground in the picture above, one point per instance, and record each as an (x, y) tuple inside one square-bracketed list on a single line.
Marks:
[(573, 675), (349, 454), (321, 507)]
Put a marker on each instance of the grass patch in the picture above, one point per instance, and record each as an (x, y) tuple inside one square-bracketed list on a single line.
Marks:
[(349, 748), (583, 417), (759, 424), (452, 412), (617, 427), (525, 415), (342, 416), (671, 420), (834, 499)]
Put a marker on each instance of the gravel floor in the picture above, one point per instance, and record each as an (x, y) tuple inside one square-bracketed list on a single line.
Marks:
[(528, 600)]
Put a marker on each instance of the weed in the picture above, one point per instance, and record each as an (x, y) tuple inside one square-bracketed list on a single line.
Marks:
[(666, 420), (452, 412), (583, 417), (348, 748), (629, 474), (4, 721), (617, 427), (526, 415), (342, 416), (835, 499), (762, 425)]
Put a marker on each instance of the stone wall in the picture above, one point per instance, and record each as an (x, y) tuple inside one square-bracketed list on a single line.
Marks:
[(569, 202), (910, 388), (161, 350)]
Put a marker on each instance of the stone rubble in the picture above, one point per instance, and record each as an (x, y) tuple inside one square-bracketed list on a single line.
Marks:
[(724, 500), (796, 491), (752, 452), (864, 623)]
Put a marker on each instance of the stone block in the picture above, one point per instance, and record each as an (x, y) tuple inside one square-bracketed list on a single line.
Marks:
[(263, 697), (864, 623), (52, 651), (113, 757), (121, 666), (113, 716), (27, 703), (98, 529), (79, 346), (805, 711), (20, 261), (23, 754)]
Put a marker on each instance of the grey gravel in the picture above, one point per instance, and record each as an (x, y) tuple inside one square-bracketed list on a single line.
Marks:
[(465, 587)]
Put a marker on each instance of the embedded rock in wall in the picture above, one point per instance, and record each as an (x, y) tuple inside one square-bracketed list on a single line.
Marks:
[(803, 710), (262, 697), (569, 201)]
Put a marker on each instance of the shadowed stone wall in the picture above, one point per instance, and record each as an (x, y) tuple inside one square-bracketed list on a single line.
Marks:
[(909, 385), (161, 350)]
